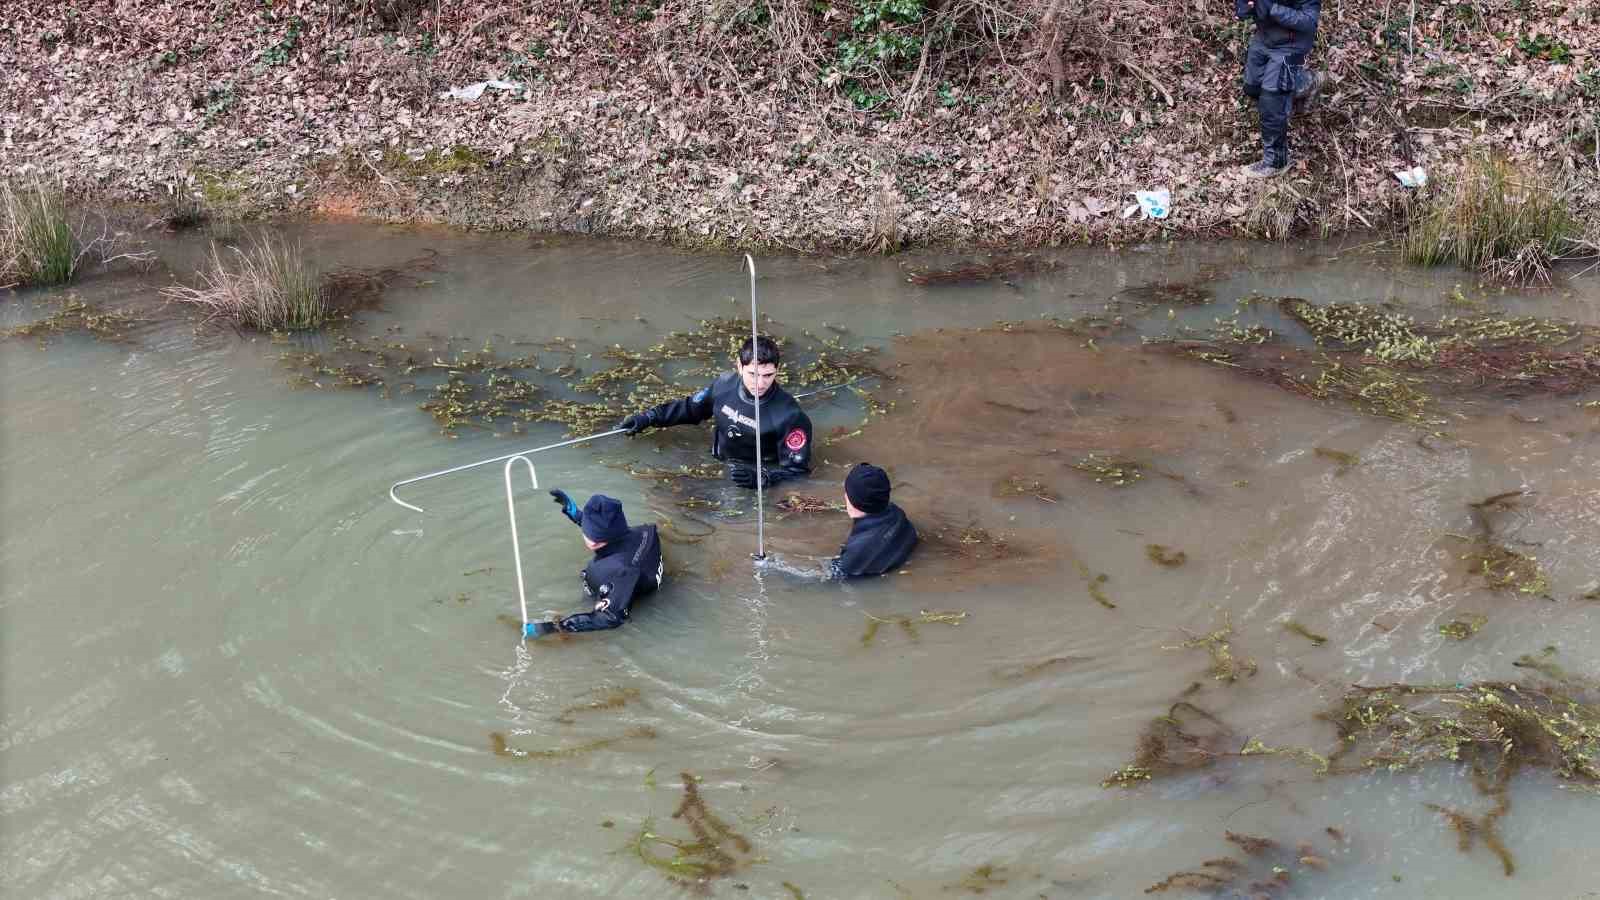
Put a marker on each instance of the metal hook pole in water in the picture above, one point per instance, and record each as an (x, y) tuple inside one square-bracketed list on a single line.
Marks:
[(832, 387), (516, 545), (485, 462), (755, 360)]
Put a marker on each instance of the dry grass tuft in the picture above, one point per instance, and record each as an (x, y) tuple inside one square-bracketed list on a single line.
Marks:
[(267, 286), (1494, 217)]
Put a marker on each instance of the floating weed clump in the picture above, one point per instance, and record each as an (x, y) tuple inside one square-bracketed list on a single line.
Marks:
[(800, 503), (1185, 739), (1094, 582), (1165, 556), (1266, 871), (969, 542), (981, 879), (1462, 627), (75, 315), (1502, 568), (501, 747), (1345, 461), (714, 850), (605, 699), (1110, 469), (1321, 764), (1469, 829), (908, 624), (1019, 486), (1294, 627), (1390, 337), (1224, 665)]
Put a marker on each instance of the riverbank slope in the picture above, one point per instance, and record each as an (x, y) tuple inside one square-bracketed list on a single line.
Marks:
[(867, 125)]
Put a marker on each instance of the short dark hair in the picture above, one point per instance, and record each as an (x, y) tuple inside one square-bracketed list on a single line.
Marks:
[(766, 351)]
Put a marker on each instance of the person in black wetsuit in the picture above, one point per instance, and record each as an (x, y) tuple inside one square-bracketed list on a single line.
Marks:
[(627, 565), (1275, 72), (785, 428), (881, 537)]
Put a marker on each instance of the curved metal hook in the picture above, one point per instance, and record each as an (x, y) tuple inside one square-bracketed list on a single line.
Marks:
[(485, 462), (516, 545)]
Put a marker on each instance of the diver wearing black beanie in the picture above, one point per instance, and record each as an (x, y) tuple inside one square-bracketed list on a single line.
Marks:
[(881, 537)]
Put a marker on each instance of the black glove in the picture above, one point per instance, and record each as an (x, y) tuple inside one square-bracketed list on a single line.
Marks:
[(745, 476), (568, 508), (638, 422)]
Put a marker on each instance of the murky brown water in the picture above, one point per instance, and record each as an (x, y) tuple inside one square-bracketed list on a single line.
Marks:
[(230, 666)]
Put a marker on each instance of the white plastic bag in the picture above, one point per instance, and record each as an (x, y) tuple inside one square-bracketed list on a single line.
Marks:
[(473, 91), (1156, 204)]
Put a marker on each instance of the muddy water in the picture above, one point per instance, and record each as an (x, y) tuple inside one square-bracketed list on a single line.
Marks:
[(232, 667)]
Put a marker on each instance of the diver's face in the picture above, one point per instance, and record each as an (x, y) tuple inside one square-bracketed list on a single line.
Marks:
[(758, 377)]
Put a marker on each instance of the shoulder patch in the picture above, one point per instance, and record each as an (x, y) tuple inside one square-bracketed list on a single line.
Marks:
[(700, 395), (795, 440)]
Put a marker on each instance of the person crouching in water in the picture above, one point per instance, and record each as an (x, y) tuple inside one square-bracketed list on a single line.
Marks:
[(1275, 73), (627, 564), (730, 400), (881, 537)]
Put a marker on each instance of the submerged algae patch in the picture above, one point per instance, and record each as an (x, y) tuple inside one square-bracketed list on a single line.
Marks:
[(714, 850), (501, 747)]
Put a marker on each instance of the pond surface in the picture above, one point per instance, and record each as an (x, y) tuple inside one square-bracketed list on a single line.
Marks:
[(230, 666)]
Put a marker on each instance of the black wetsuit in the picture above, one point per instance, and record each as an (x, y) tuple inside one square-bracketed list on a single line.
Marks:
[(620, 571), (878, 543), (1274, 67), (785, 427)]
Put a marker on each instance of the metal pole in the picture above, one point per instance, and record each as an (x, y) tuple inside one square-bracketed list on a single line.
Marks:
[(833, 387), (516, 545), (755, 360), (485, 462)]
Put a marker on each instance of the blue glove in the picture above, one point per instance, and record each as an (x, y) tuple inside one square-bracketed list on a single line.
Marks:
[(568, 508), (535, 630)]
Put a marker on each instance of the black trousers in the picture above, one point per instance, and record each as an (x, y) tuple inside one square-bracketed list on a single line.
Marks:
[(1273, 78)]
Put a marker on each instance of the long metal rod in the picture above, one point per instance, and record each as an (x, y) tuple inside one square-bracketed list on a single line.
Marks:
[(516, 545), (485, 462), (755, 365), (832, 387)]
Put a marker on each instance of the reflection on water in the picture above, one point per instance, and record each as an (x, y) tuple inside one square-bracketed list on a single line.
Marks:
[(229, 665)]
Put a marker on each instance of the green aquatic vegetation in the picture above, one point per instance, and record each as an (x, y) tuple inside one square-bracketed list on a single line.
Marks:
[(1110, 469), (909, 624), (1463, 627), (1494, 216), (1093, 583), (1225, 666), (606, 699), (714, 851), (1019, 486), (1390, 337), (1162, 555), (1376, 391), (1345, 461), (1312, 758), (1544, 666), (1469, 829), (501, 747), (1266, 860), (37, 244), (981, 879), (794, 891), (75, 315), (1294, 627)]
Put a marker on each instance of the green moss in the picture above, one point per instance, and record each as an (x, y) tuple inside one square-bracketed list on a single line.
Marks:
[(1165, 556), (1294, 627), (1463, 627), (1110, 469), (1225, 666)]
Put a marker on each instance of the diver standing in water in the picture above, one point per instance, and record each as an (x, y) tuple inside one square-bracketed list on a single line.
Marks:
[(881, 537), (785, 428), (627, 564)]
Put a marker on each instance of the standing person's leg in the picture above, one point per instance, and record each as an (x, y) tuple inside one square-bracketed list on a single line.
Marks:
[(1256, 63), (1275, 106)]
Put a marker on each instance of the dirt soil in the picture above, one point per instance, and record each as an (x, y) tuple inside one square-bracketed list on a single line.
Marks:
[(718, 122)]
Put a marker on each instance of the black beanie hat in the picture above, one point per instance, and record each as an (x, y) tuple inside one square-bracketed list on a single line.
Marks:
[(603, 520), (867, 486)]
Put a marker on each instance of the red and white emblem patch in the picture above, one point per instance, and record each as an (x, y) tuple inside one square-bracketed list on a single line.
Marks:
[(795, 440)]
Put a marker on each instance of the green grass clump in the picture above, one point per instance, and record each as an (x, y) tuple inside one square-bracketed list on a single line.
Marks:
[(267, 286), (1495, 217), (37, 243)]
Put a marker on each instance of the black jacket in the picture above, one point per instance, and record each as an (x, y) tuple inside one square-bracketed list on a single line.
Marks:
[(620, 571), (785, 427), (878, 543), (1283, 24)]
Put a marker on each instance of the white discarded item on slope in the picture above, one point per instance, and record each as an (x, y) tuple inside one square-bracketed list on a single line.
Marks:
[(473, 91), (1156, 204), (1414, 177)]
